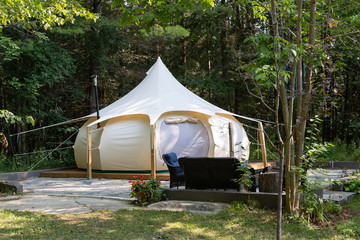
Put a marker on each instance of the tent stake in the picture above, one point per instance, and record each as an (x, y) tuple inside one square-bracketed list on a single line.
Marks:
[(262, 143), (89, 170)]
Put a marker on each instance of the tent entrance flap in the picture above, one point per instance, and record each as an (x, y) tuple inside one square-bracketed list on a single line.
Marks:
[(185, 138)]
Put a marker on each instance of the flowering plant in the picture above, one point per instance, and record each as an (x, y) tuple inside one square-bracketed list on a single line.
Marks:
[(146, 191)]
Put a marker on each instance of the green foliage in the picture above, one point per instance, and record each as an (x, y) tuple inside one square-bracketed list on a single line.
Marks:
[(320, 151), (351, 228), (243, 207), (326, 151), (336, 151), (170, 32), (33, 13), (146, 191), (311, 205), (263, 69), (19, 163), (246, 178), (313, 131), (8, 50), (149, 13), (352, 185), (332, 208), (38, 69), (11, 118)]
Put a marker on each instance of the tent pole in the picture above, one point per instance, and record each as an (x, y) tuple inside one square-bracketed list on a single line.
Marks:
[(152, 149), (89, 156), (231, 147), (262, 143)]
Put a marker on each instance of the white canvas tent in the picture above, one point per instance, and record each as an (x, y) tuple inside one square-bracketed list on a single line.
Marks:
[(156, 117)]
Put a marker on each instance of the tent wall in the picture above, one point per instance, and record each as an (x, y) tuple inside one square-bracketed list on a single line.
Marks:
[(121, 144), (220, 130), (125, 144), (80, 146)]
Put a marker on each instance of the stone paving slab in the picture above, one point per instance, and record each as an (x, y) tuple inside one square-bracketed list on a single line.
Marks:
[(64, 205), (71, 195), (78, 187), (324, 176), (204, 208), (79, 195), (338, 197)]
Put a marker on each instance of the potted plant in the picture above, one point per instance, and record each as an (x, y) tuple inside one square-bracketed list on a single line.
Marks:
[(146, 191)]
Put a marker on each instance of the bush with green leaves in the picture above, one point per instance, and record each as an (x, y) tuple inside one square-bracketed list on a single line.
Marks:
[(246, 178), (332, 207), (352, 185), (311, 205), (328, 151)]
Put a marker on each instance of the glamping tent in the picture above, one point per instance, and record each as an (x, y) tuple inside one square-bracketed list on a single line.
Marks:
[(158, 116)]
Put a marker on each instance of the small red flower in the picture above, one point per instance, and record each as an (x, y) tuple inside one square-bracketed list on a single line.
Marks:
[(133, 184), (142, 177), (134, 176), (130, 181)]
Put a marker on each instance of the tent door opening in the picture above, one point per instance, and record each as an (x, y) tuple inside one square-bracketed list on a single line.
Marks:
[(184, 136)]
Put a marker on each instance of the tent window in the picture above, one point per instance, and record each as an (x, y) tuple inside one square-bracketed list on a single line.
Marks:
[(185, 138)]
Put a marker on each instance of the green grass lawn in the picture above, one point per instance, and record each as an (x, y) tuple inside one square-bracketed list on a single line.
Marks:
[(237, 222)]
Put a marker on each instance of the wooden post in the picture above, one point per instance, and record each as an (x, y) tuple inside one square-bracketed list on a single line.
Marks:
[(231, 148), (262, 143), (152, 149), (89, 156)]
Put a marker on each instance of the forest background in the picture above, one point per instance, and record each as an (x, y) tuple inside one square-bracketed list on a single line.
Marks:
[(221, 53)]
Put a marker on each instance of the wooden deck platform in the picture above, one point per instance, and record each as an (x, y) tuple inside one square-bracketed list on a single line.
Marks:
[(260, 165), (76, 173)]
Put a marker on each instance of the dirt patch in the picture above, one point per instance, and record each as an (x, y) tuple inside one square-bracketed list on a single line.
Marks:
[(334, 219)]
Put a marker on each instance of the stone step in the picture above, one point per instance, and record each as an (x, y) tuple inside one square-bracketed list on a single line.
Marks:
[(338, 196)]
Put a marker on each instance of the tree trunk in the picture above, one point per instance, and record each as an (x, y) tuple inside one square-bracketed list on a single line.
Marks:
[(305, 106), (276, 50)]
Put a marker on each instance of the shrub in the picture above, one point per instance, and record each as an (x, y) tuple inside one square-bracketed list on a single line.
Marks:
[(352, 185), (333, 208), (246, 178), (336, 151), (146, 191), (312, 206)]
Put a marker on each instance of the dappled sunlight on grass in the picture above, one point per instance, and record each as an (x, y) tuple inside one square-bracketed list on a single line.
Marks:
[(237, 222), (189, 229)]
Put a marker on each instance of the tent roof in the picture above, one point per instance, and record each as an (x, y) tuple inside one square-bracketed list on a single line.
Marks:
[(158, 93)]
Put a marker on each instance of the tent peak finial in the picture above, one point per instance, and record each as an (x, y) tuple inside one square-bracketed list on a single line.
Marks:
[(159, 59)]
